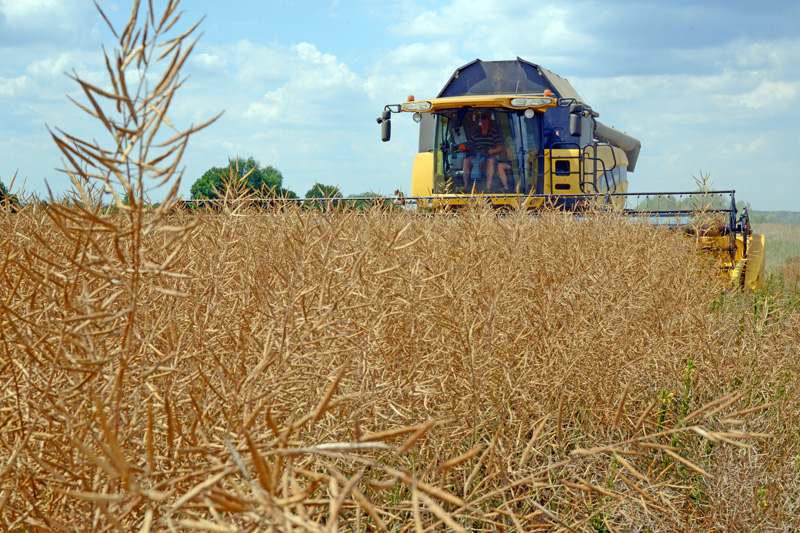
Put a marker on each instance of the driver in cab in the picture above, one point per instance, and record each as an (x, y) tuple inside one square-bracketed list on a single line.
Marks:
[(485, 145)]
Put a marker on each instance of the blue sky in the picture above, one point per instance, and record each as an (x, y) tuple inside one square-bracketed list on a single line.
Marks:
[(710, 87)]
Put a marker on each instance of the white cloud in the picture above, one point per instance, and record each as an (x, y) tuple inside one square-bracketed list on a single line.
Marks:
[(500, 30), (426, 24), (421, 54), (255, 64), (13, 87), (754, 147), (316, 85), (769, 93), (329, 72), (415, 68), (268, 109), (54, 22), (209, 62), (763, 55), (463, 17), (18, 11), (54, 66)]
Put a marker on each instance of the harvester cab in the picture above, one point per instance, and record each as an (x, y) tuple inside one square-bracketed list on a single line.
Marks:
[(506, 129), (516, 135)]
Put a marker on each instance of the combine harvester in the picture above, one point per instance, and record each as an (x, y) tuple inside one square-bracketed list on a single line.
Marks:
[(517, 136)]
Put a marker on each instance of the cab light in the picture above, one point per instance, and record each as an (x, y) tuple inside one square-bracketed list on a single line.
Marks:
[(530, 102), (416, 106)]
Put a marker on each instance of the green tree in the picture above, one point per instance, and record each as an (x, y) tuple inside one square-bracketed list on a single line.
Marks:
[(285, 193), (262, 181), (329, 193), (320, 190), (367, 200), (6, 198)]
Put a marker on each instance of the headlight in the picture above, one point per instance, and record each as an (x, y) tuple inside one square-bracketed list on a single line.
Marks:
[(530, 102), (416, 106)]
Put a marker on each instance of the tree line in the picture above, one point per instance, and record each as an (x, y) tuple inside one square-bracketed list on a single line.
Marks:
[(252, 178), (775, 217), (257, 181)]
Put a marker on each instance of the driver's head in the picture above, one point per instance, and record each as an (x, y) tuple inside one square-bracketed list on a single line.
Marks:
[(485, 120)]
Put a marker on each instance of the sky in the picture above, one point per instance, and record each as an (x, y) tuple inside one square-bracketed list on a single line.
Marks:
[(708, 87)]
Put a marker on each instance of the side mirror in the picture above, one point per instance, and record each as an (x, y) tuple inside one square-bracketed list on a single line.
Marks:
[(575, 123), (386, 125)]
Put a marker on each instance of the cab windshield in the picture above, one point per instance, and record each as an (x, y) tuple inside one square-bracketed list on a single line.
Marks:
[(486, 150)]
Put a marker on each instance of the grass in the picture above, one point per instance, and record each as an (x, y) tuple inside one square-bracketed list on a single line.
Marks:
[(783, 243), (295, 370)]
